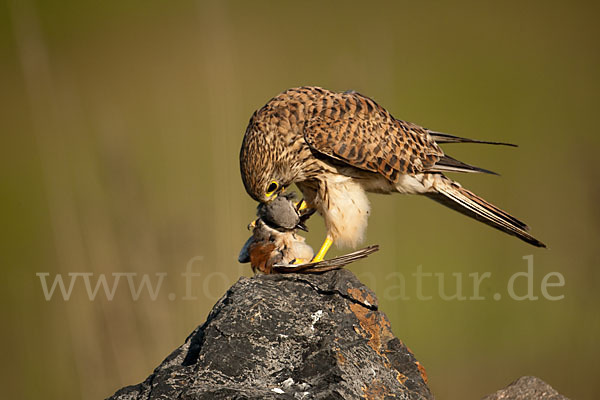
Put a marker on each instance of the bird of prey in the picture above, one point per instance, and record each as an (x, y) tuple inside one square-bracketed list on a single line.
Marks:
[(337, 146)]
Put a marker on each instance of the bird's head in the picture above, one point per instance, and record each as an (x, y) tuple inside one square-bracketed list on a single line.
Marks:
[(265, 168), (265, 186)]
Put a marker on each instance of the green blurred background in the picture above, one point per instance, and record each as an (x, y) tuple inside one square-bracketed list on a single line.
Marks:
[(121, 123)]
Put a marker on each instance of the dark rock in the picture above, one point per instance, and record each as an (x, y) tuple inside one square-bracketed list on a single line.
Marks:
[(290, 337), (526, 388)]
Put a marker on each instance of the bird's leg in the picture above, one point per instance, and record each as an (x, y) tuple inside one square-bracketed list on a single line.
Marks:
[(323, 250)]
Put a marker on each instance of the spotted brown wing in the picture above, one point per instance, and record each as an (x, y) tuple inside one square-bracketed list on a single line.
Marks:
[(358, 131)]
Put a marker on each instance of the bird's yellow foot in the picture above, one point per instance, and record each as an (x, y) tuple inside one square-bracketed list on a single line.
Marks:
[(320, 256), (301, 205)]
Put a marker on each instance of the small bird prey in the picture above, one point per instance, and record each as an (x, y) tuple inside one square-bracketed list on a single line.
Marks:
[(275, 245), (337, 146), (274, 239)]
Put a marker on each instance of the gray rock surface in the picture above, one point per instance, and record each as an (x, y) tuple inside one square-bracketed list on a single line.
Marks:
[(290, 337), (526, 388)]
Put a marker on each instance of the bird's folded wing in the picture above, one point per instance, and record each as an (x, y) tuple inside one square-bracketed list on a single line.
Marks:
[(361, 133)]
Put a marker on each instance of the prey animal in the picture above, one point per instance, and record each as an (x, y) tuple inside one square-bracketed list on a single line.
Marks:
[(276, 247), (274, 237)]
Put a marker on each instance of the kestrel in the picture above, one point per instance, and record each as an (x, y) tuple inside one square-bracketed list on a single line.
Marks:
[(337, 146)]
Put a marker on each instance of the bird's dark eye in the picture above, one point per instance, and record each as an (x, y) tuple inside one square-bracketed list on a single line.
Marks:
[(272, 188)]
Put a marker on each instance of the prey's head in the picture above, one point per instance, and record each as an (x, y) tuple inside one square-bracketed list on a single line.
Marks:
[(281, 213), (276, 219)]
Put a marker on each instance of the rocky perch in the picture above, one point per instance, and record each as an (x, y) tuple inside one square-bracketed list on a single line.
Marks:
[(526, 388), (296, 337), (290, 336)]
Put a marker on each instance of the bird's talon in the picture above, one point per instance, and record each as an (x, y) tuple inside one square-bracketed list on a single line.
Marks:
[(301, 205)]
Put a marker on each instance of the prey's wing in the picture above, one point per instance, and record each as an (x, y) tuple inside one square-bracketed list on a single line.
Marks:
[(244, 256), (326, 265)]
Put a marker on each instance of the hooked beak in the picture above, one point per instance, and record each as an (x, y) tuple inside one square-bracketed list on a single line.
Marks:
[(301, 226)]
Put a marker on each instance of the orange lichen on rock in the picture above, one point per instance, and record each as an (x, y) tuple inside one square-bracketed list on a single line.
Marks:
[(422, 372), (401, 378), (377, 390), (340, 357), (375, 325), (362, 296)]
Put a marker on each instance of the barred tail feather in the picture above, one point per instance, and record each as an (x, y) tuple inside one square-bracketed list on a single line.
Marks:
[(452, 195)]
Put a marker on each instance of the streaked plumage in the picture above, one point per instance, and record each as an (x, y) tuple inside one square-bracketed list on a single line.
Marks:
[(337, 146)]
